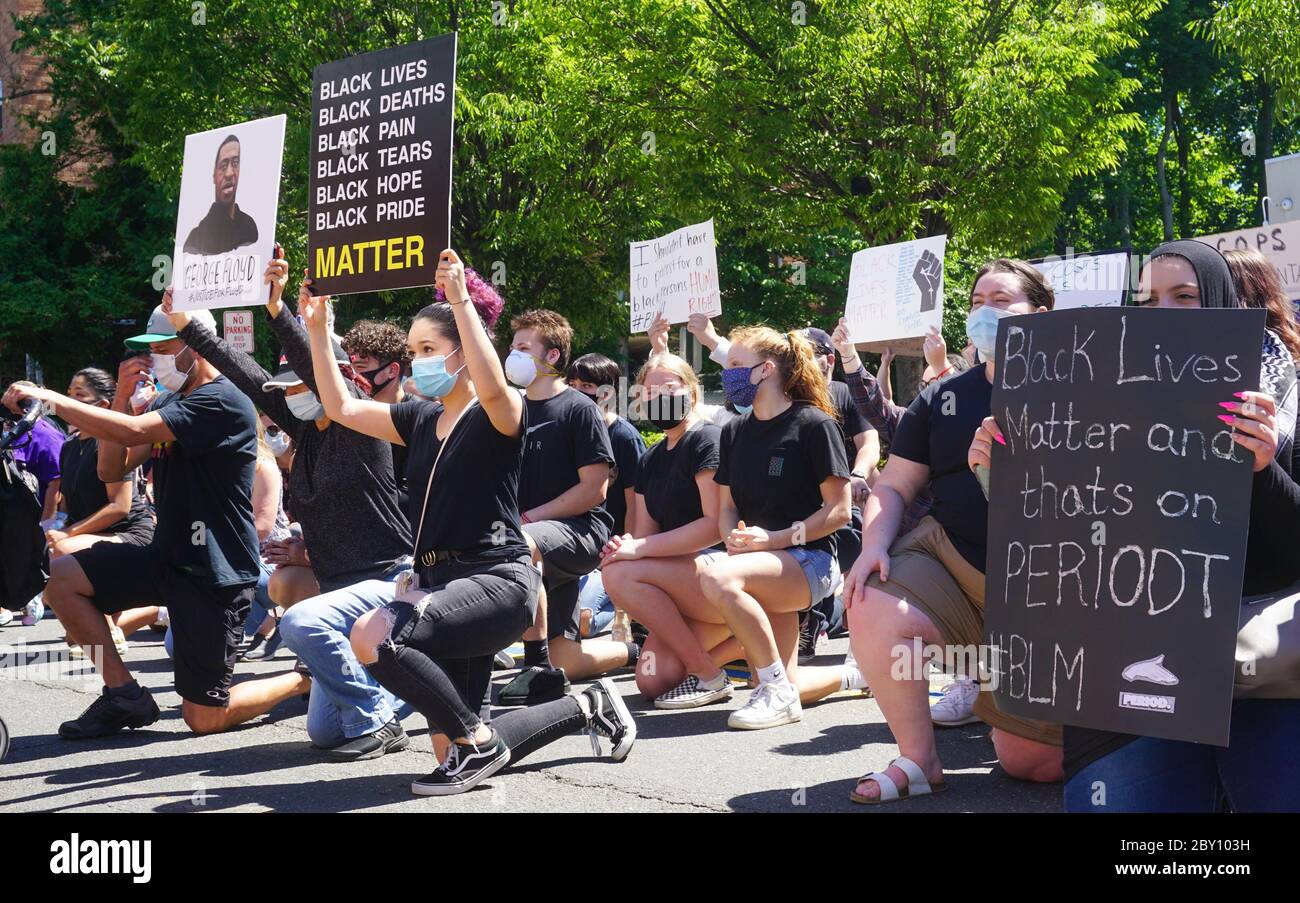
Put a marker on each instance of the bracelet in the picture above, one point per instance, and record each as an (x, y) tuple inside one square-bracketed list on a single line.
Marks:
[(523, 515), (942, 372)]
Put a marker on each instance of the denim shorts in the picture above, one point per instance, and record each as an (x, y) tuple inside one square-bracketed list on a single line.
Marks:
[(821, 569)]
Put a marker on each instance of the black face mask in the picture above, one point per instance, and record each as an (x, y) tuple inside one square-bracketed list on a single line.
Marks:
[(370, 377), (667, 411), (594, 396)]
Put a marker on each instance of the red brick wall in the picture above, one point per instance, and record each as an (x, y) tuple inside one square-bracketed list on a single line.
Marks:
[(19, 72)]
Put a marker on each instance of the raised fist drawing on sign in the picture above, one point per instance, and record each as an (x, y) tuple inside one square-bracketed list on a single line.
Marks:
[(926, 275)]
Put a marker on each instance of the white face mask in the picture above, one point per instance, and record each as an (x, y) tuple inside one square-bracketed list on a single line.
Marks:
[(164, 367), (521, 368), (278, 443), (305, 406)]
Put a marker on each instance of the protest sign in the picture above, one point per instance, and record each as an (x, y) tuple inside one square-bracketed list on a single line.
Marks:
[(896, 294), (380, 186), (676, 275), (225, 225), (1280, 243), (237, 330), (1086, 280), (1118, 515)]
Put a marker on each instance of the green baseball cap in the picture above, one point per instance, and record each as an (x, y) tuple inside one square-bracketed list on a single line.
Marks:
[(160, 329)]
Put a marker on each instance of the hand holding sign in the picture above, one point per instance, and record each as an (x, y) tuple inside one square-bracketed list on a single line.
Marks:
[(179, 318), (658, 333), (450, 278), (276, 276), (935, 350), (312, 307), (928, 274), (1255, 429)]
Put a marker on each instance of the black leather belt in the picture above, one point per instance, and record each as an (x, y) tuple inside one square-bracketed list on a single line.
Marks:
[(429, 559)]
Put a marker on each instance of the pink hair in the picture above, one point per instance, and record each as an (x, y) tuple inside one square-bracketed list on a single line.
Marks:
[(486, 300)]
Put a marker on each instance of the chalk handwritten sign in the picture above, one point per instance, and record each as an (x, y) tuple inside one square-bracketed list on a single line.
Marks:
[(1118, 516), (896, 292), (1280, 243), (676, 275), (1087, 280)]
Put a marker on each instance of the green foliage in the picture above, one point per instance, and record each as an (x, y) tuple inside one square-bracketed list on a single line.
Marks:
[(1017, 128)]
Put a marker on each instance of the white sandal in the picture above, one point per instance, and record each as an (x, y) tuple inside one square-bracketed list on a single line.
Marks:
[(917, 785)]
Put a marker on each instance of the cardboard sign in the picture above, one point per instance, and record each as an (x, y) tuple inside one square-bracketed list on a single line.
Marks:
[(1118, 515), (676, 276), (225, 226), (1280, 243), (380, 188), (896, 294), (237, 330), (1087, 280)]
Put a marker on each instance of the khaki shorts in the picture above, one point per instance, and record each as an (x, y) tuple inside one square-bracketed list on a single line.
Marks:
[(929, 574)]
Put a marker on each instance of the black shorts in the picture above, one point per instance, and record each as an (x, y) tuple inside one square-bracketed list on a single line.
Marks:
[(570, 549), (207, 621)]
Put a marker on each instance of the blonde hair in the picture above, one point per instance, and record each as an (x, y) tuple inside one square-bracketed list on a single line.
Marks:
[(666, 360), (795, 361)]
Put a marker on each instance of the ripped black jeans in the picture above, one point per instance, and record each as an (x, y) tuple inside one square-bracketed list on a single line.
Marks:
[(441, 661)]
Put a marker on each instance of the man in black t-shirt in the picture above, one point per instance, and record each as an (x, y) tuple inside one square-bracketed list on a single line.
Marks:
[(201, 437), (562, 486)]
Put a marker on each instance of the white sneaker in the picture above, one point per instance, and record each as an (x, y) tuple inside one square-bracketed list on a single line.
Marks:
[(768, 706), (6, 616), (957, 706), (119, 640), (34, 611)]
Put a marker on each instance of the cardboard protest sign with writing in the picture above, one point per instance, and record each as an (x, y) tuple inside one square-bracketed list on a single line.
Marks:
[(380, 195), (1118, 515), (676, 275), (1087, 280), (225, 227), (1280, 243), (896, 294)]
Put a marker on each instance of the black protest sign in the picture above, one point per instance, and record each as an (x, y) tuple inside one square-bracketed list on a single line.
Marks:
[(380, 202), (1118, 515)]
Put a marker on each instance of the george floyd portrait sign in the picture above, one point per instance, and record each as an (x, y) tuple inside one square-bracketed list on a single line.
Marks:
[(225, 226), (1118, 515), (380, 187)]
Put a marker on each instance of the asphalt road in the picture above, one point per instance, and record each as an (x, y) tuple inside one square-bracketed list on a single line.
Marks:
[(683, 761)]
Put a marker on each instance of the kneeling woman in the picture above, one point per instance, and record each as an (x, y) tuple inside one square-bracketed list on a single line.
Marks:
[(478, 590), (784, 491), (656, 574)]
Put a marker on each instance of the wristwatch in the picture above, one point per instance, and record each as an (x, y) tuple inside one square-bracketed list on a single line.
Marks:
[(860, 476)]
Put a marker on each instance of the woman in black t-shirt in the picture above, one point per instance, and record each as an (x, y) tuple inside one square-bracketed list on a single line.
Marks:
[(656, 574), (784, 481), (433, 645), (99, 511)]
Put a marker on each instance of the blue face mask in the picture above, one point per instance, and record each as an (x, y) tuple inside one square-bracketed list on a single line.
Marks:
[(737, 387), (431, 377), (743, 409)]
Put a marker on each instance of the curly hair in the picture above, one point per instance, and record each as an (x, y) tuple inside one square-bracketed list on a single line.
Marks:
[(381, 339)]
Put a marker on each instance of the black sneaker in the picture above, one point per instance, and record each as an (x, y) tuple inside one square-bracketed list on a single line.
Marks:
[(535, 685), (109, 714), (610, 718), (807, 638), (640, 633), (389, 738), (465, 768)]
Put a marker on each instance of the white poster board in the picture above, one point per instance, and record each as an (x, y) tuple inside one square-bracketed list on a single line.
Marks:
[(1279, 242), (896, 293), (237, 330), (225, 227), (1087, 280), (675, 275)]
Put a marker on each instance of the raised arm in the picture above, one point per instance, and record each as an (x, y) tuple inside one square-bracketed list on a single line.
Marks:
[(294, 341), (247, 374), (503, 405), (372, 418)]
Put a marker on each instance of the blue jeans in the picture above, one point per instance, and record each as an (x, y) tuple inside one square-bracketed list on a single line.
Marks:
[(1256, 772), (592, 596), (346, 702)]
